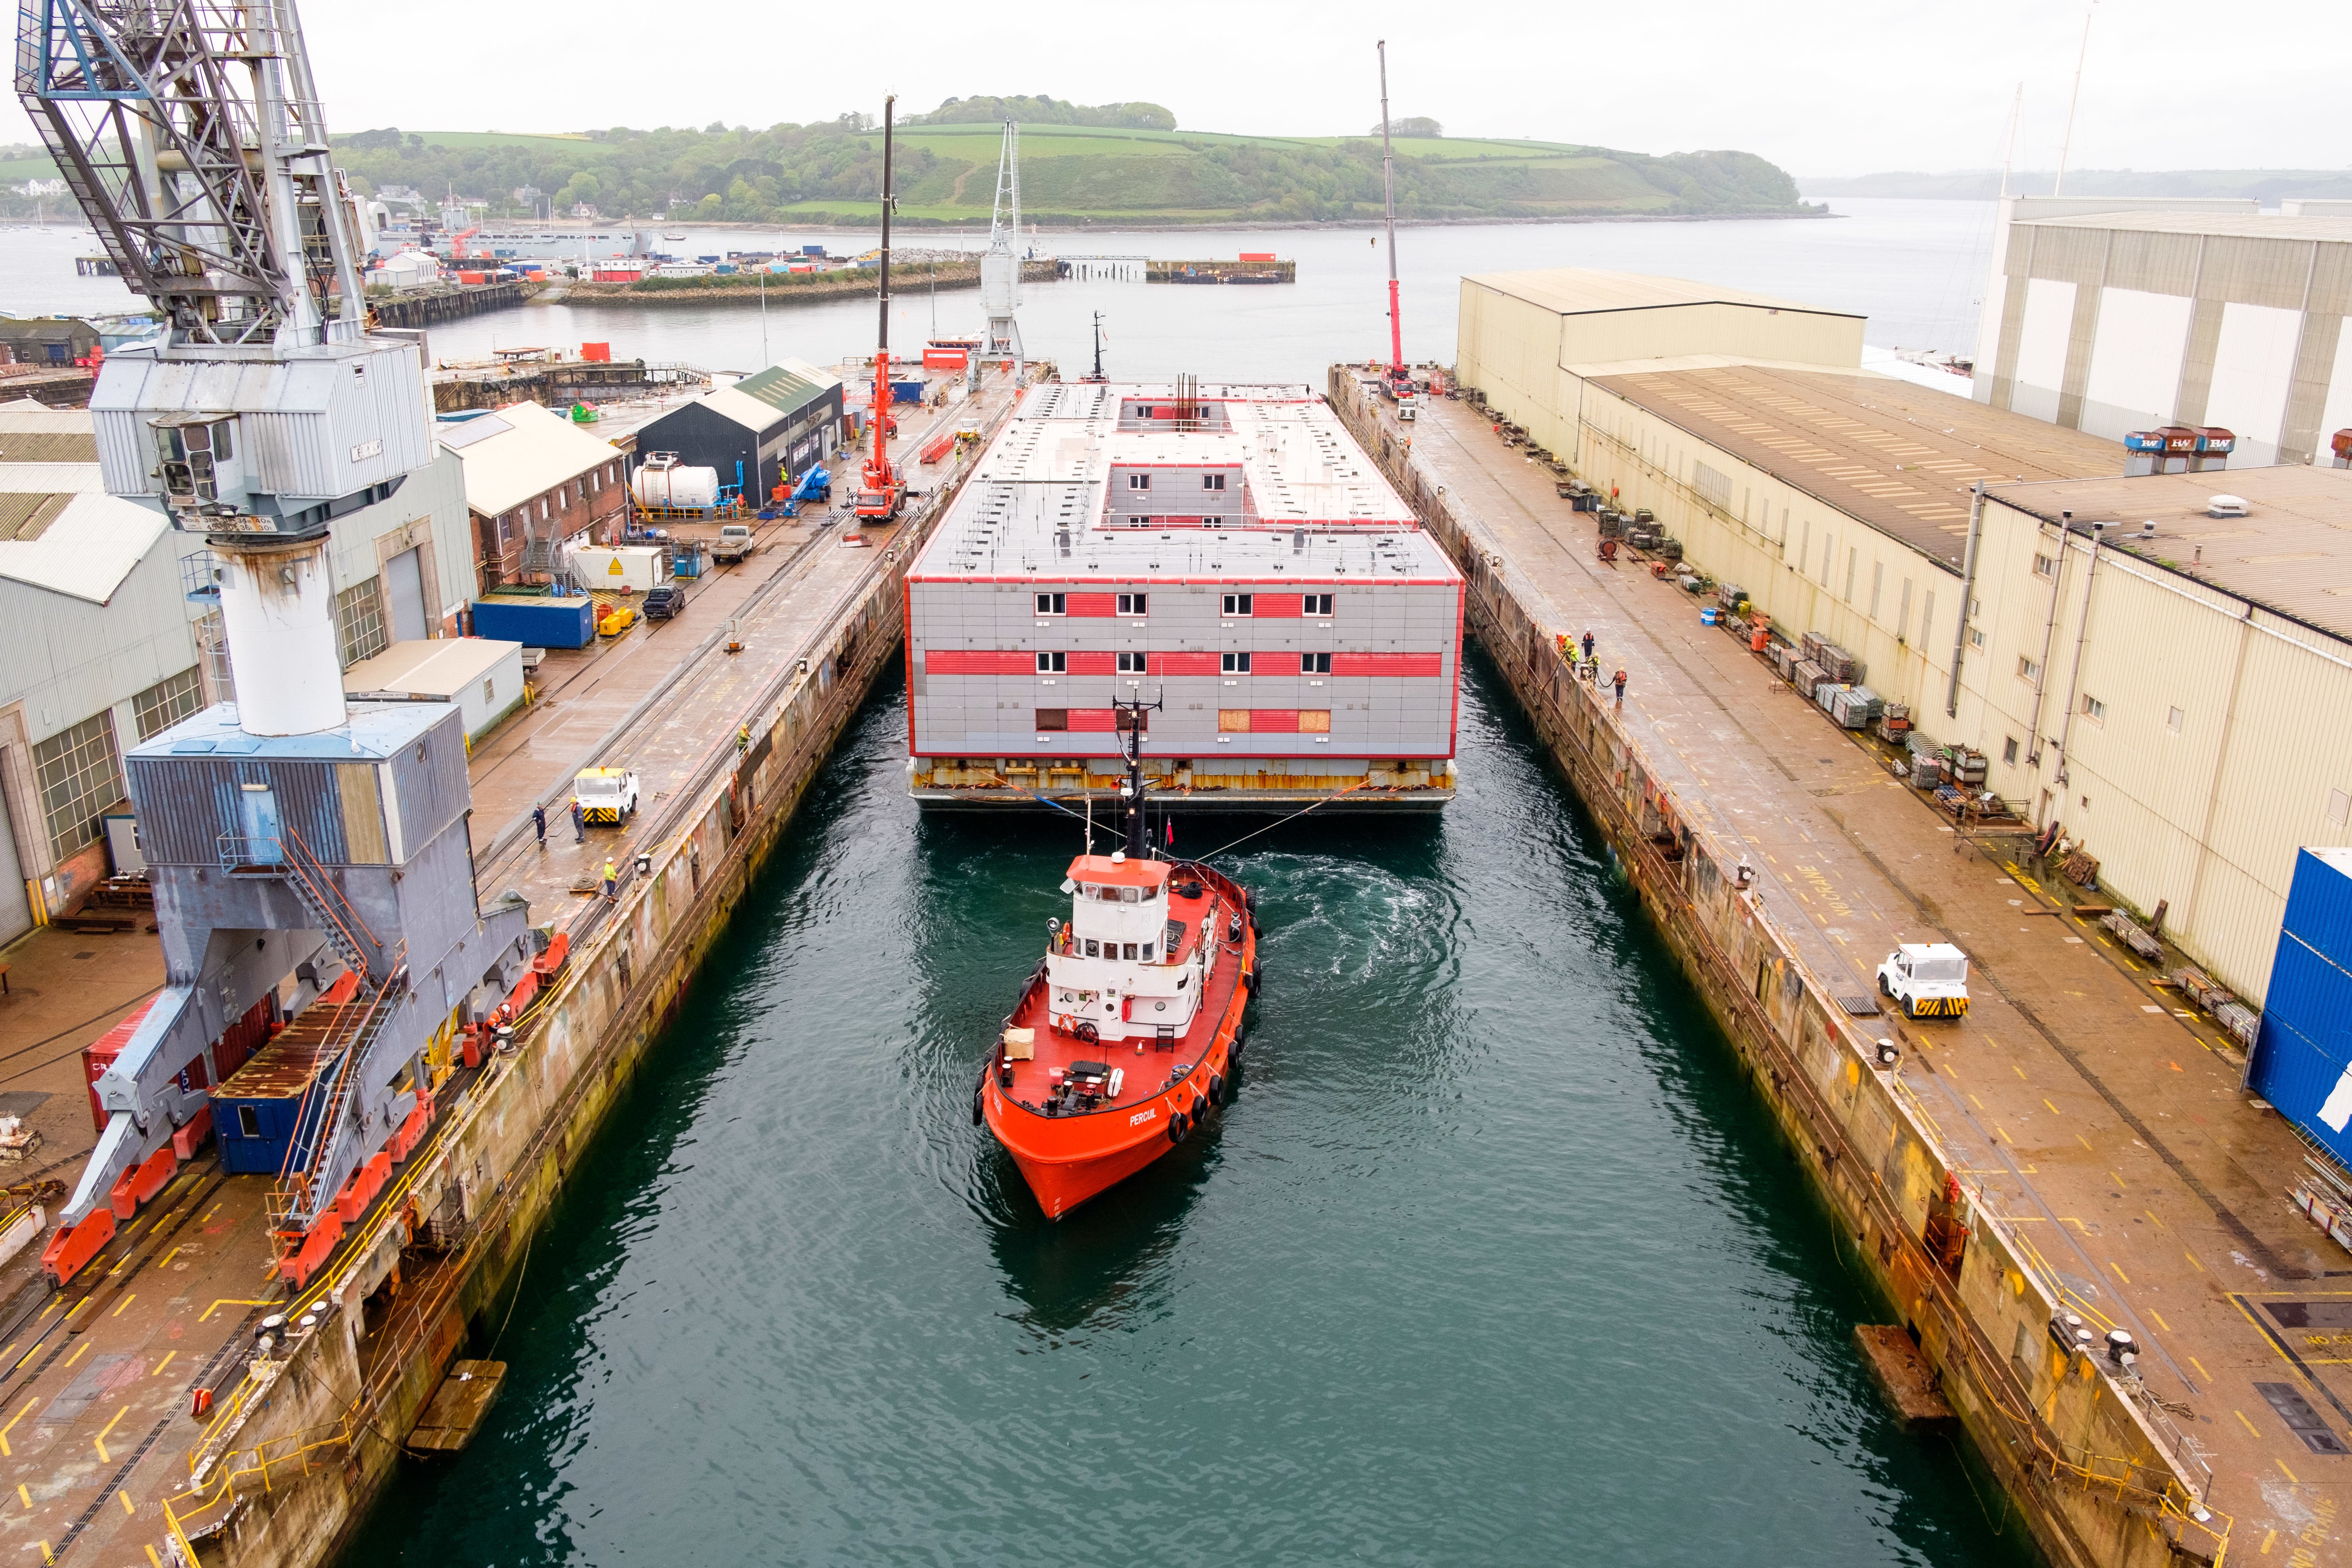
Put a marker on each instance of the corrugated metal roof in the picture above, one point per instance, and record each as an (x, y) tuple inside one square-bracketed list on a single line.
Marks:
[(534, 453), (788, 386), (28, 516), (1578, 291), (26, 417), (740, 409), (2234, 225), (1897, 457), (2291, 552), (52, 478), (89, 545)]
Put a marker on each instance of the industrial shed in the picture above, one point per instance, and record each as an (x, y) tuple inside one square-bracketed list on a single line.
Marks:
[(779, 421)]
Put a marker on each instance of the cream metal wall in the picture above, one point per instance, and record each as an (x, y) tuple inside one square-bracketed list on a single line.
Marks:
[(2220, 749)]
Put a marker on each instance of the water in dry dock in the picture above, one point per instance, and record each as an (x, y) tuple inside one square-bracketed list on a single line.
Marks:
[(1495, 1260)]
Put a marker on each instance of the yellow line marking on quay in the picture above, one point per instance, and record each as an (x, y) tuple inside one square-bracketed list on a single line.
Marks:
[(170, 1255), (2118, 1180), (78, 1353), (211, 1211), (2086, 1142), (1975, 1101), (165, 1363), (2053, 1110), (2200, 1369), (2021, 1072), (2192, 1260), (2119, 1273), (154, 1561), (129, 1296), (2244, 1422), (2152, 1219), (98, 1442), (2159, 1320), (24, 1496), (125, 1497), (20, 1414), (2267, 1540), (46, 1556), (2290, 1474), (227, 1301)]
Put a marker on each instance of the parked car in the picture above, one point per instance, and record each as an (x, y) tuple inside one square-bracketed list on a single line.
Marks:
[(663, 603), (735, 543), (605, 795)]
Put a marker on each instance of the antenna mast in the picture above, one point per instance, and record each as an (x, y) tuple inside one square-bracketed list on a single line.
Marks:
[(884, 486), (2066, 143), (2009, 152), (1388, 188)]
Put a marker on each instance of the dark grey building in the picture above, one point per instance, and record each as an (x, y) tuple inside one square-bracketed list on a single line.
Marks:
[(779, 421)]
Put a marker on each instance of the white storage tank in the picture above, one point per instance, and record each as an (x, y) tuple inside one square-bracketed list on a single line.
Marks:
[(663, 484)]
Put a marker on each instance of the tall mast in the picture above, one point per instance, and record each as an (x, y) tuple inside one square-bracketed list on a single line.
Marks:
[(2066, 143), (1388, 188), (2009, 150), (883, 487)]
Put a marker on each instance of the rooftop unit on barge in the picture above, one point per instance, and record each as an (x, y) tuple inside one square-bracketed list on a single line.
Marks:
[(289, 841), (1226, 549)]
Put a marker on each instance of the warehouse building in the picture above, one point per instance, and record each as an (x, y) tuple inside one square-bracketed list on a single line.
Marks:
[(1227, 554), (534, 483), (2181, 710), (754, 433), (2109, 316), (114, 634)]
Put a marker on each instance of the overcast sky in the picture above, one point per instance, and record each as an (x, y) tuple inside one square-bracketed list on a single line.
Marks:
[(1822, 87)]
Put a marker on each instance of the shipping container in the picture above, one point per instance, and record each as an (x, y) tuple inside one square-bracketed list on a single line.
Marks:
[(2319, 903), (638, 567), (907, 392), (537, 621), (255, 1113), (2304, 1042)]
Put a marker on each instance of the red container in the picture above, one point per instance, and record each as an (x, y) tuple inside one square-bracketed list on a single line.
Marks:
[(473, 276), (1258, 255), (100, 1054), (596, 354)]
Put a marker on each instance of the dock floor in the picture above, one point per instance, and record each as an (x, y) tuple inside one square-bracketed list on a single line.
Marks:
[(2104, 1123), (96, 1381)]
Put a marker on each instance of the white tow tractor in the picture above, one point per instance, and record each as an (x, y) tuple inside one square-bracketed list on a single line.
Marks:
[(1930, 979), (605, 795)]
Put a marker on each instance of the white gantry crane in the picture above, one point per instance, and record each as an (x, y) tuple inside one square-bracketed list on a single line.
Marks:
[(1000, 268), (292, 841)]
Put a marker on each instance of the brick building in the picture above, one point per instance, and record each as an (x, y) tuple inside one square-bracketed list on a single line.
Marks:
[(534, 482)]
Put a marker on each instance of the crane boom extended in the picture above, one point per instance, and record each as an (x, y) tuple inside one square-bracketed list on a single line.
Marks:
[(883, 486), (1397, 372)]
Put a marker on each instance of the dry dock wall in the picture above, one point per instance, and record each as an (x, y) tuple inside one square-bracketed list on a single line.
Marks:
[(2100, 1479), (289, 1465)]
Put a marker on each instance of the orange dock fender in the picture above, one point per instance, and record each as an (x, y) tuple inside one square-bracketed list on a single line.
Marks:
[(306, 1259), (76, 1245), (411, 1132), (361, 1189), (550, 964), (196, 1134), (144, 1182)]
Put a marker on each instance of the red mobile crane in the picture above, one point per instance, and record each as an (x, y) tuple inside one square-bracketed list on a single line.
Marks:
[(1400, 377), (883, 486)]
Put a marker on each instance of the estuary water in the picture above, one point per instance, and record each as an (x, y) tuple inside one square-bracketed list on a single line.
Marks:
[(1495, 1259)]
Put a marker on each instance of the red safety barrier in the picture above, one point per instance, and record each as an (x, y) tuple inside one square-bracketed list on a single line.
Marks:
[(361, 1189), (194, 1135), (550, 964), (306, 1259), (76, 1245), (144, 1182), (525, 989), (411, 1132)]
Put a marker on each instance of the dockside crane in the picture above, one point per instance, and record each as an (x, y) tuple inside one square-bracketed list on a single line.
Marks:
[(1000, 265), (300, 851), (1400, 377), (882, 488)]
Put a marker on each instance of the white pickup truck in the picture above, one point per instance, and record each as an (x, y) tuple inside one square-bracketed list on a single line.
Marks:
[(1930, 979), (735, 544)]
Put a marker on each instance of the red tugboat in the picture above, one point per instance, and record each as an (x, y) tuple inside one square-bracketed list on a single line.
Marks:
[(1126, 1036)]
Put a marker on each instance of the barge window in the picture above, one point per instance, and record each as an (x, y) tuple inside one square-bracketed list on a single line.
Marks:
[(1235, 663), (1316, 604), (1138, 481), (1132, 603), (1127, 950), (1052, 663), (1133, 663), (1213, 481), (1053, 718), (1053, 603), (1238, 604), (1147, 953), (1315, 664)]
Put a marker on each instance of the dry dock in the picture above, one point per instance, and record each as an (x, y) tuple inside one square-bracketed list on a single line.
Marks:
[(2075, 1145), (105, 1461)]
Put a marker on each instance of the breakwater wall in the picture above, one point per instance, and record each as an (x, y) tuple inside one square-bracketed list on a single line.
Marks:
[(2102, 1480), (906, 278), (433, 306), (299, 1447)]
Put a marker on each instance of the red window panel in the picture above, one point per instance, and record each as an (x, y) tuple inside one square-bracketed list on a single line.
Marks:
[(1185, 663), (1274, 721), (1099, 719), (1277, 604), (1091, 604), (1388, 664), (978, 661), (1091, 663)]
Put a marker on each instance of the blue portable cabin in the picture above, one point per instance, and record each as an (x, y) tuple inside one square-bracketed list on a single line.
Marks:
[(2303, 1055), (537, 621)]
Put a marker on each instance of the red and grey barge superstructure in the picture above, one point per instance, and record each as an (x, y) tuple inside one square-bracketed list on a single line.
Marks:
[(1227, 548)]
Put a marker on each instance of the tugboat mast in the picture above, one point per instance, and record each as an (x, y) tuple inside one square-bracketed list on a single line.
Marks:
[(1131, 789)]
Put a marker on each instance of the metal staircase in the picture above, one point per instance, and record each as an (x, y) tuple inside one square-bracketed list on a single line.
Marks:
[(290, 861), (297, 1200)]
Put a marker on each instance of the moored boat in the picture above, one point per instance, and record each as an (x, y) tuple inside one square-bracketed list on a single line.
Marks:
[(1127, 1035)]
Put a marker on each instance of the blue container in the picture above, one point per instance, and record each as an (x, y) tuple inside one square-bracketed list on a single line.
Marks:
[(906, 392), (2319, 903), (812, 250), (253, 1131), (537, 623)]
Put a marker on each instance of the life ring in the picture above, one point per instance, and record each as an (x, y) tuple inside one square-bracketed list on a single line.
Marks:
[(1216, 1089), (1178, 1125), (1085, 1031)]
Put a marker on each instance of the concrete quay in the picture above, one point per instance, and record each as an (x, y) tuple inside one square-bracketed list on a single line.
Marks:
[(108, 1463), (2082, 1145)]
